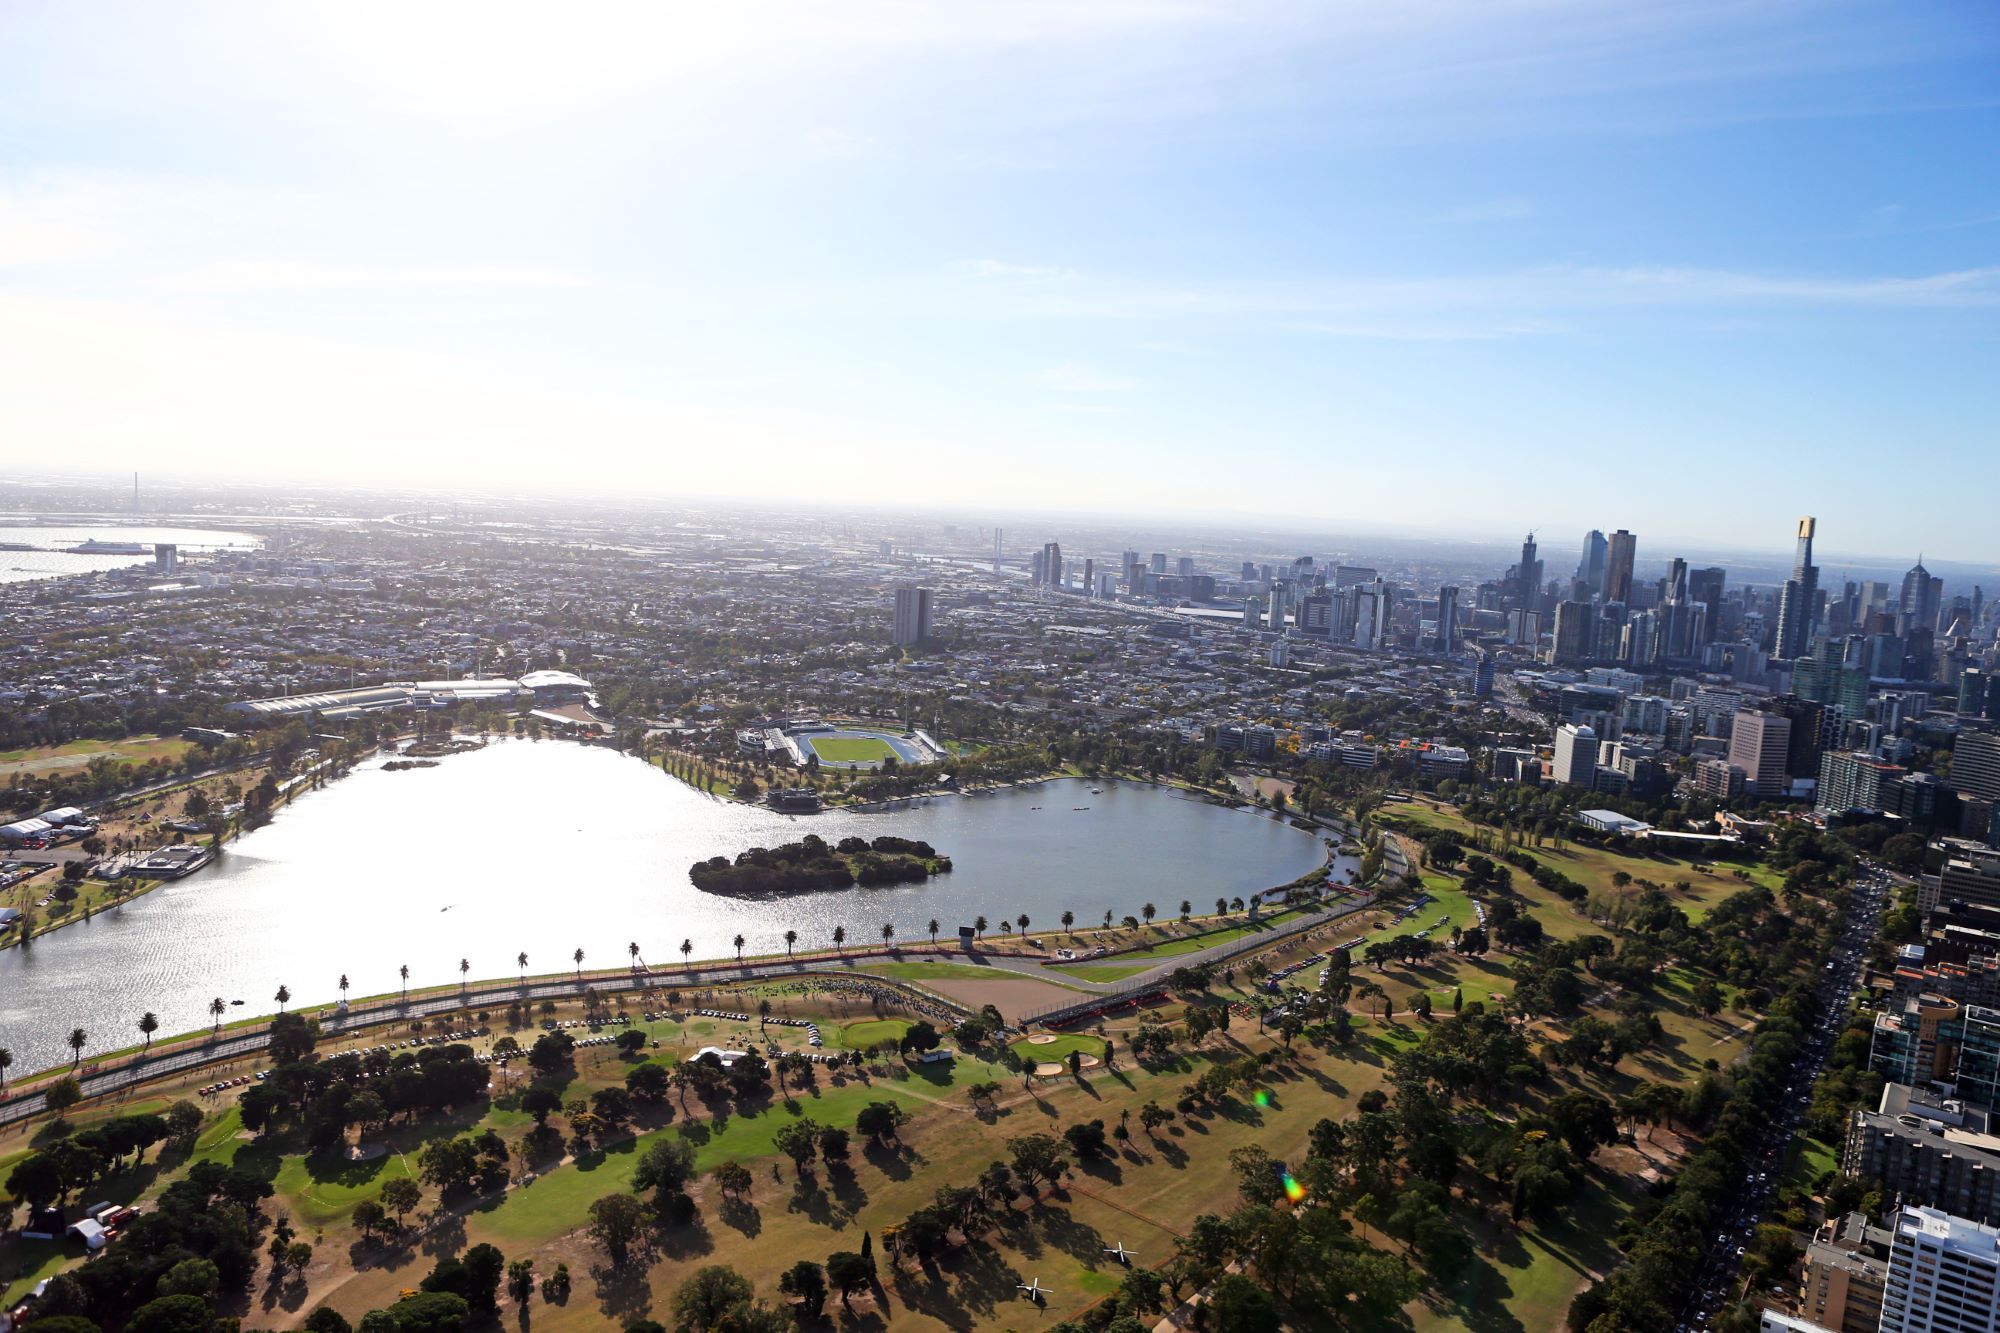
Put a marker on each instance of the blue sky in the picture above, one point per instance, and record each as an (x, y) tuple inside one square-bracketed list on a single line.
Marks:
[(1692, 269)]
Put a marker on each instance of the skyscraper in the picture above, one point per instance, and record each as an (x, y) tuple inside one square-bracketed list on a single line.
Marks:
[(1575, 755), (1975, 764), (1590, 569), (1052, 564), (1796, 602), (1919, 604), (1572, 634), (1447, 619), (1618, 559), (913, 616)]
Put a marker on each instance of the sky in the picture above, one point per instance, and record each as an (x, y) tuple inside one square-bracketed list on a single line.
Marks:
[(1687, 268)]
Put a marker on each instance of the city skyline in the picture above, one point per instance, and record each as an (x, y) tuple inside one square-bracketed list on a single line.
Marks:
[(1143, 245)]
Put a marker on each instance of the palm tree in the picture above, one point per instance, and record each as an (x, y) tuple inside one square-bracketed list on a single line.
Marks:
[(521, 960), (934, 931), (839, 937), (578, 956), (404, 972), (979, 927), (6, 1063), (343, 988), (1186, 909), (633, 949), (738, 942), (888, 931), (217, 1007), (283, 997), (791, 938), (1221, 906), (464, 970), (687, 947), (1149, 912), (77, 1038), (149, 1023), (1022, 922), (1068, 920)]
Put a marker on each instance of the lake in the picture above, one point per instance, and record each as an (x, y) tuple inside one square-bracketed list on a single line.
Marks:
[(549, 847), (20, 566)]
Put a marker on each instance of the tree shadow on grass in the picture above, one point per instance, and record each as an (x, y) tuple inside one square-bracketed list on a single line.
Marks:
[(623, 1291), (740, 1214)]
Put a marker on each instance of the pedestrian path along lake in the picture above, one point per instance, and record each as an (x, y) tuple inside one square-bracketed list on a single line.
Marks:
[(548, 847)]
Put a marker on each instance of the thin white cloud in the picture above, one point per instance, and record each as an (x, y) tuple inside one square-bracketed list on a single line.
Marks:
[(994, 268)]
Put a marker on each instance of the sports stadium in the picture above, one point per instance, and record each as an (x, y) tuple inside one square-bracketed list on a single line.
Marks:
[(837, 745)]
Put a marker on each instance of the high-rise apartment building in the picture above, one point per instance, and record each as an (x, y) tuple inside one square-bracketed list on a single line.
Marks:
[(1849, 782), (1944, 1275), (1975, 764), (1797, 602), (1576, 755), (913, 615), (1758, 743), (1619, 557)]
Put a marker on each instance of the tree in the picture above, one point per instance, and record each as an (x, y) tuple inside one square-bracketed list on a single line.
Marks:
[(400, 1196), (521, 1280), (1068, 921), (888, 931), (369, 1216), (484, 1265), (1037, 1157), (665, 1167), (881, 1120), (6, 1063), (62, 1094), (1241, 1306), (326, 1319), (404, 973), (839, 937), (577, 957), (800, 1142), (343, 988), (791, 938), (732, 1178), (805, 1282), (706, 1299), (616, 1220), (191, 1277), (521, 961), (847, 1273), (738, 942), (934, 930), (78, 1038), (172, 1314), (149, 1023)]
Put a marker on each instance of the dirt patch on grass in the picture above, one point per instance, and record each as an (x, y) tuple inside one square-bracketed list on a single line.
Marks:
[(1012, 996)]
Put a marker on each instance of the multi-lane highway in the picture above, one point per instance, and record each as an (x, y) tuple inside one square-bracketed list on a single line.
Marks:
[(1842, 976)]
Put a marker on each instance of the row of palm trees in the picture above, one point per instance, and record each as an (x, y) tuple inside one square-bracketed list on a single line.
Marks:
[(149, 1023)]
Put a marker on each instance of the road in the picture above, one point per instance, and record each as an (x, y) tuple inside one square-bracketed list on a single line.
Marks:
[(1717, 1276)]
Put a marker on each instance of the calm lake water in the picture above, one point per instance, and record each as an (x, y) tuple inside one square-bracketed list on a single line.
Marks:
[(549, 847), (20, 566)]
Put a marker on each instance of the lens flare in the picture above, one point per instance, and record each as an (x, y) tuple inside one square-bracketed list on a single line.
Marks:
[(1263, 1099), (1293, 1190)]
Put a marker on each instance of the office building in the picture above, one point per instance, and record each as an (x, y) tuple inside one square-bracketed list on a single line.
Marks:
[(1758, 743), (1347, 576), (1620, 553), (1159, 562), (1525, 578), (1944, 1275), (1575, 755), (1573, 632), (1975, 764), (913, 615), (1446, 637), (166, 557), (1590, 569), (1371, 615), (1970, 874), (1185, 566), (1919, 605)]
